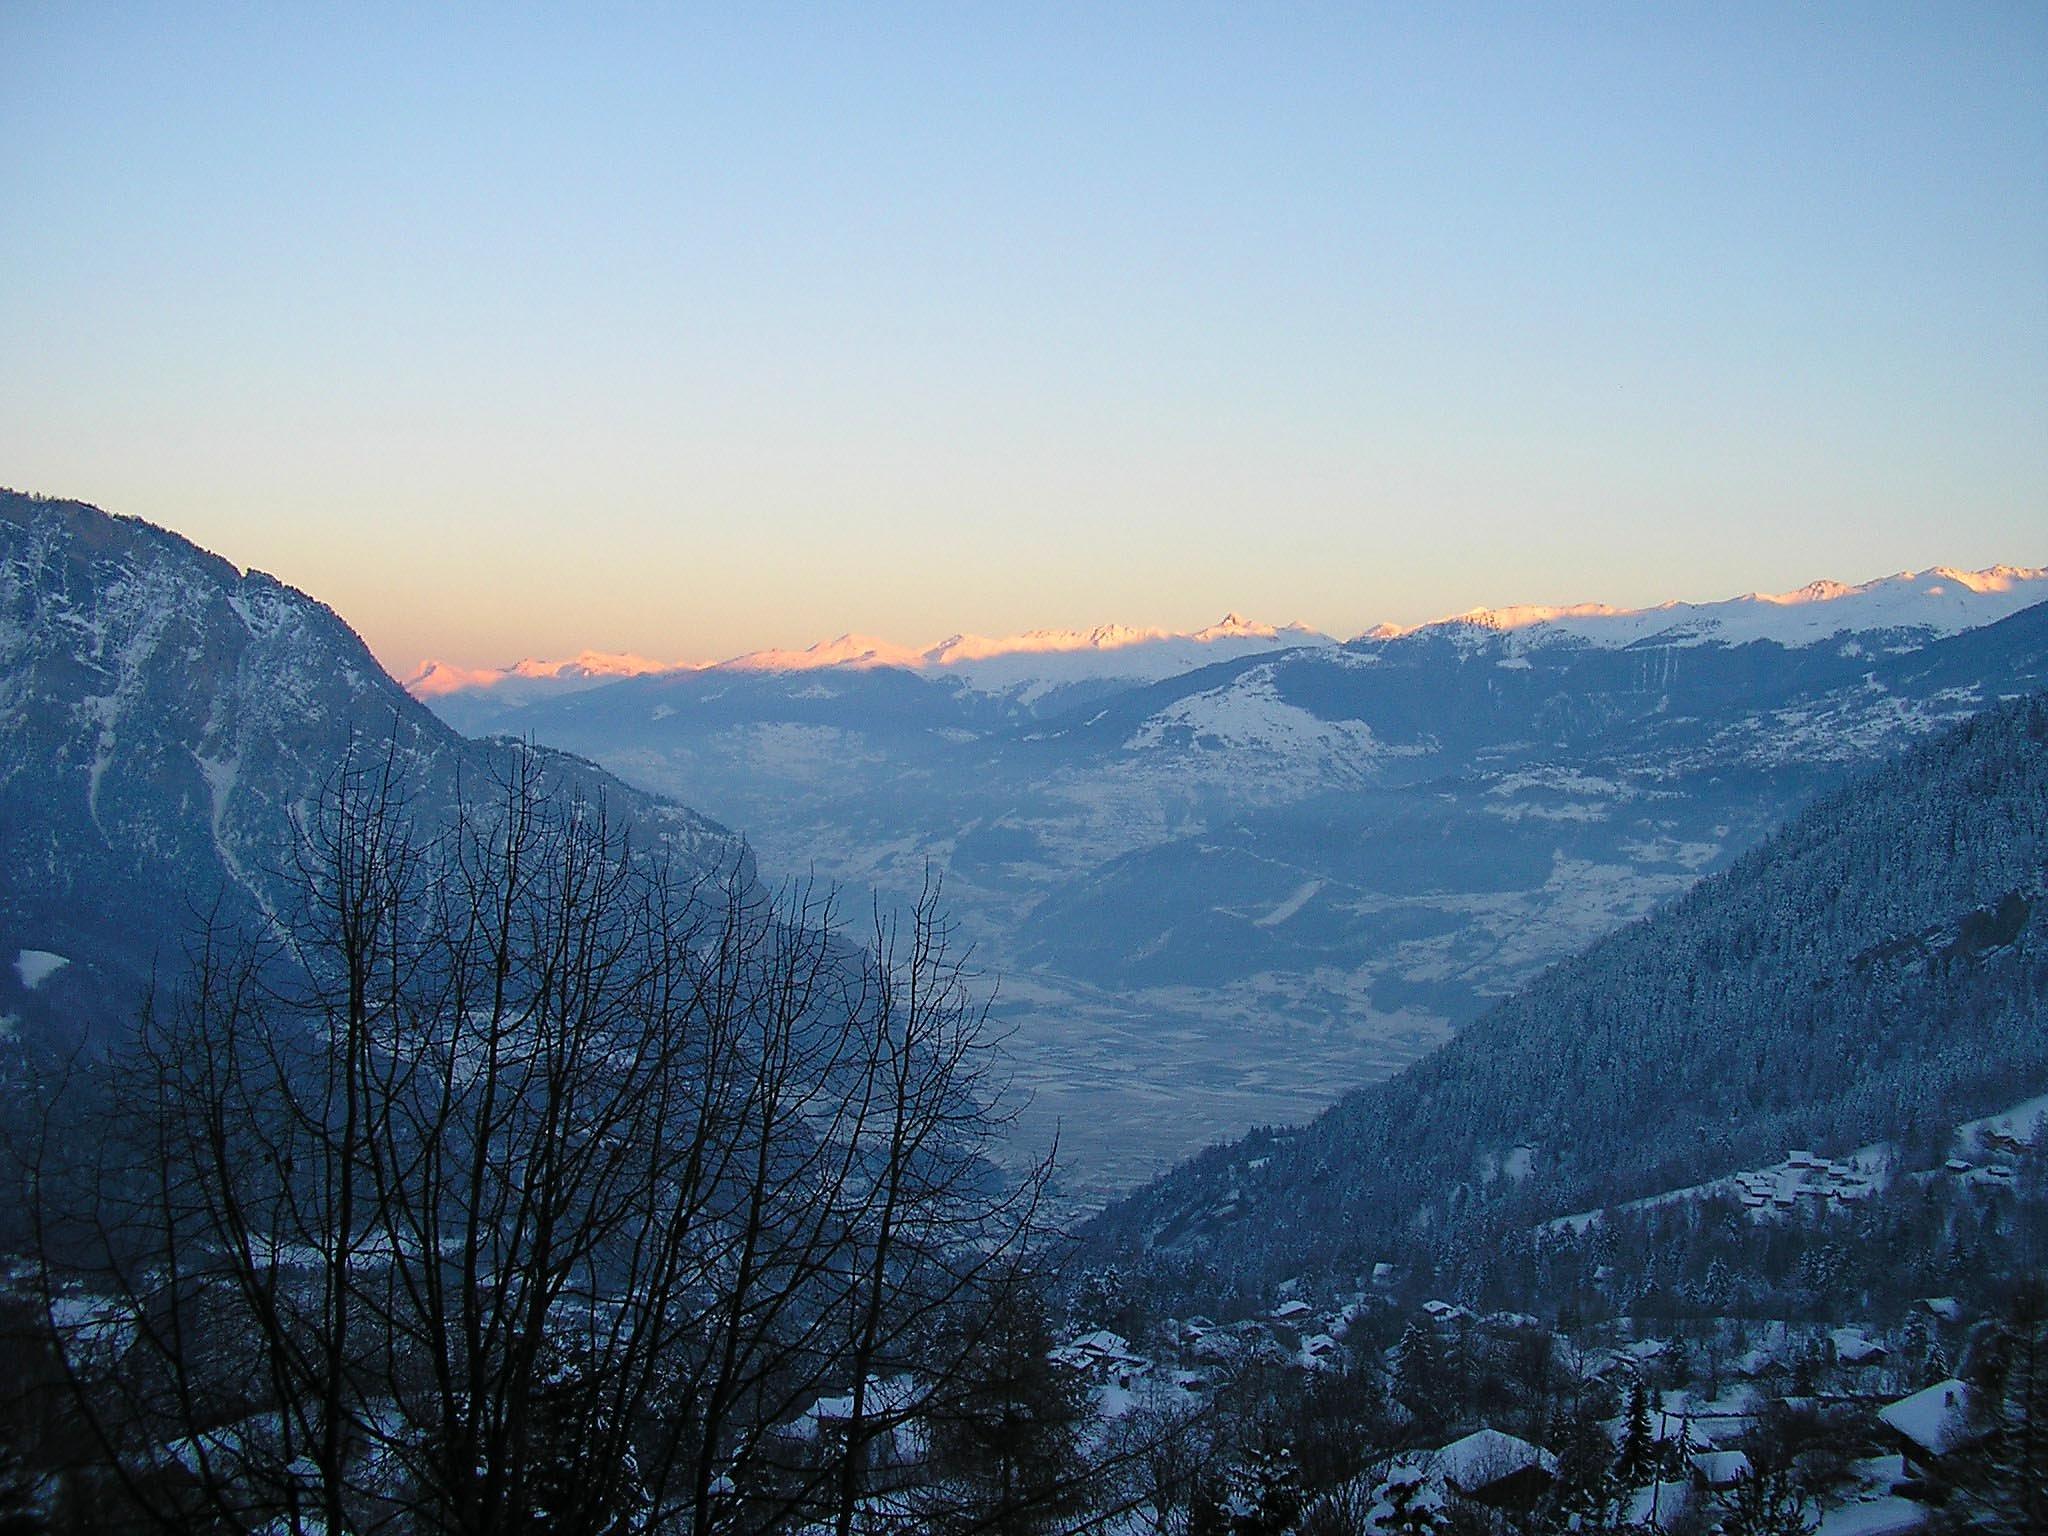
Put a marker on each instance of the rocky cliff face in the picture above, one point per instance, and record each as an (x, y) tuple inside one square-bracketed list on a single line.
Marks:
[(166, 722)]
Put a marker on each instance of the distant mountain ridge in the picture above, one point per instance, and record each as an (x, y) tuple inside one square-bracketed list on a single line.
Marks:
[(1045, 657), (1937, 601)]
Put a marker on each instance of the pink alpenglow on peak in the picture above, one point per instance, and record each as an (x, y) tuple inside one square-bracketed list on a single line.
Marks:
[(436, 678), (856, 652), (1939, 600), (1039, 642)]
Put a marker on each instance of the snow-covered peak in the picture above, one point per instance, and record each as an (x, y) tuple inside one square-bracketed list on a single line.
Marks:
[(1235, 626), (1934, 602), (1030, 665), (1519, 616), (852, 651), (433, 679), (960, 649)]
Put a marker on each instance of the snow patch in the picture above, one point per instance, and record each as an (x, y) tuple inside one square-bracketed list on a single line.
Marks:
[(1247, 715), (36, 966), (1302, 895)]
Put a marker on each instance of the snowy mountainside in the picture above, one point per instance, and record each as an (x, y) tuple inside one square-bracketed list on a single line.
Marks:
[(1220, 897), (164, 717), (1876, 966)]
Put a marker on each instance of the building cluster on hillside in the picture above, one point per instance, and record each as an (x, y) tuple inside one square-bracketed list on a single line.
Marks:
[(1803, 1176)]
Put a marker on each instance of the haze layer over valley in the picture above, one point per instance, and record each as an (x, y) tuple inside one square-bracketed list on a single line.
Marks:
[(1222, 877)]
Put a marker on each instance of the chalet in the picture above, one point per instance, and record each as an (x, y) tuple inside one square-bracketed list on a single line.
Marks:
[(1292, 1313), (1495, 1469), (1599, 1364), (1658, 1506), (1760, 1363), (896, 1439), (1958, 1165), (1936, 1426), (1102, 1356), (1718, 1471), (1853, 1348)]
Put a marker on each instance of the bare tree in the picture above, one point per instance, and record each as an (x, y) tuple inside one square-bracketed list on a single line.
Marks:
[(521, 1178)]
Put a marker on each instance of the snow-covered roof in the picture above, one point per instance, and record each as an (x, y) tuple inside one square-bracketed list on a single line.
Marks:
[(1721, 1469), (1103, 1342), (1852, 1348), (886, 1397), (1488, 1455), (1936, 1418), (1664, 1501)]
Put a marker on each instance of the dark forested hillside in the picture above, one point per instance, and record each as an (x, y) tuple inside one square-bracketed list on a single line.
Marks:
[(1877, 966)]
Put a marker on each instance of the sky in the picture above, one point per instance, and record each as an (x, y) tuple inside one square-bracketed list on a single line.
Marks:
[(684, 331)]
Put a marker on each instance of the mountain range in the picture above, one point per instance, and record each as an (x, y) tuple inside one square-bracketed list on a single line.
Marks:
[(1936, 601), (1208, 899), (1025, 670), (1221, 896)]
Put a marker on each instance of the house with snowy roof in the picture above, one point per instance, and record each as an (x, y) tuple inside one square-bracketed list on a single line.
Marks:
[(1103, 1356), (1718, 1471), (1496, 1469), (1938, 1427), (1855, 1348), (894, 1438)]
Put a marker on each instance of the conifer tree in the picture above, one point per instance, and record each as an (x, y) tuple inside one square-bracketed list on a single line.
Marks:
[(1418, 1376), (1271, 1491), (1406, 1503), (1766, 1504), (1635, 1464)]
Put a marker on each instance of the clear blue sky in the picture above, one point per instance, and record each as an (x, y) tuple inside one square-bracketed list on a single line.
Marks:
[(517, 329)]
